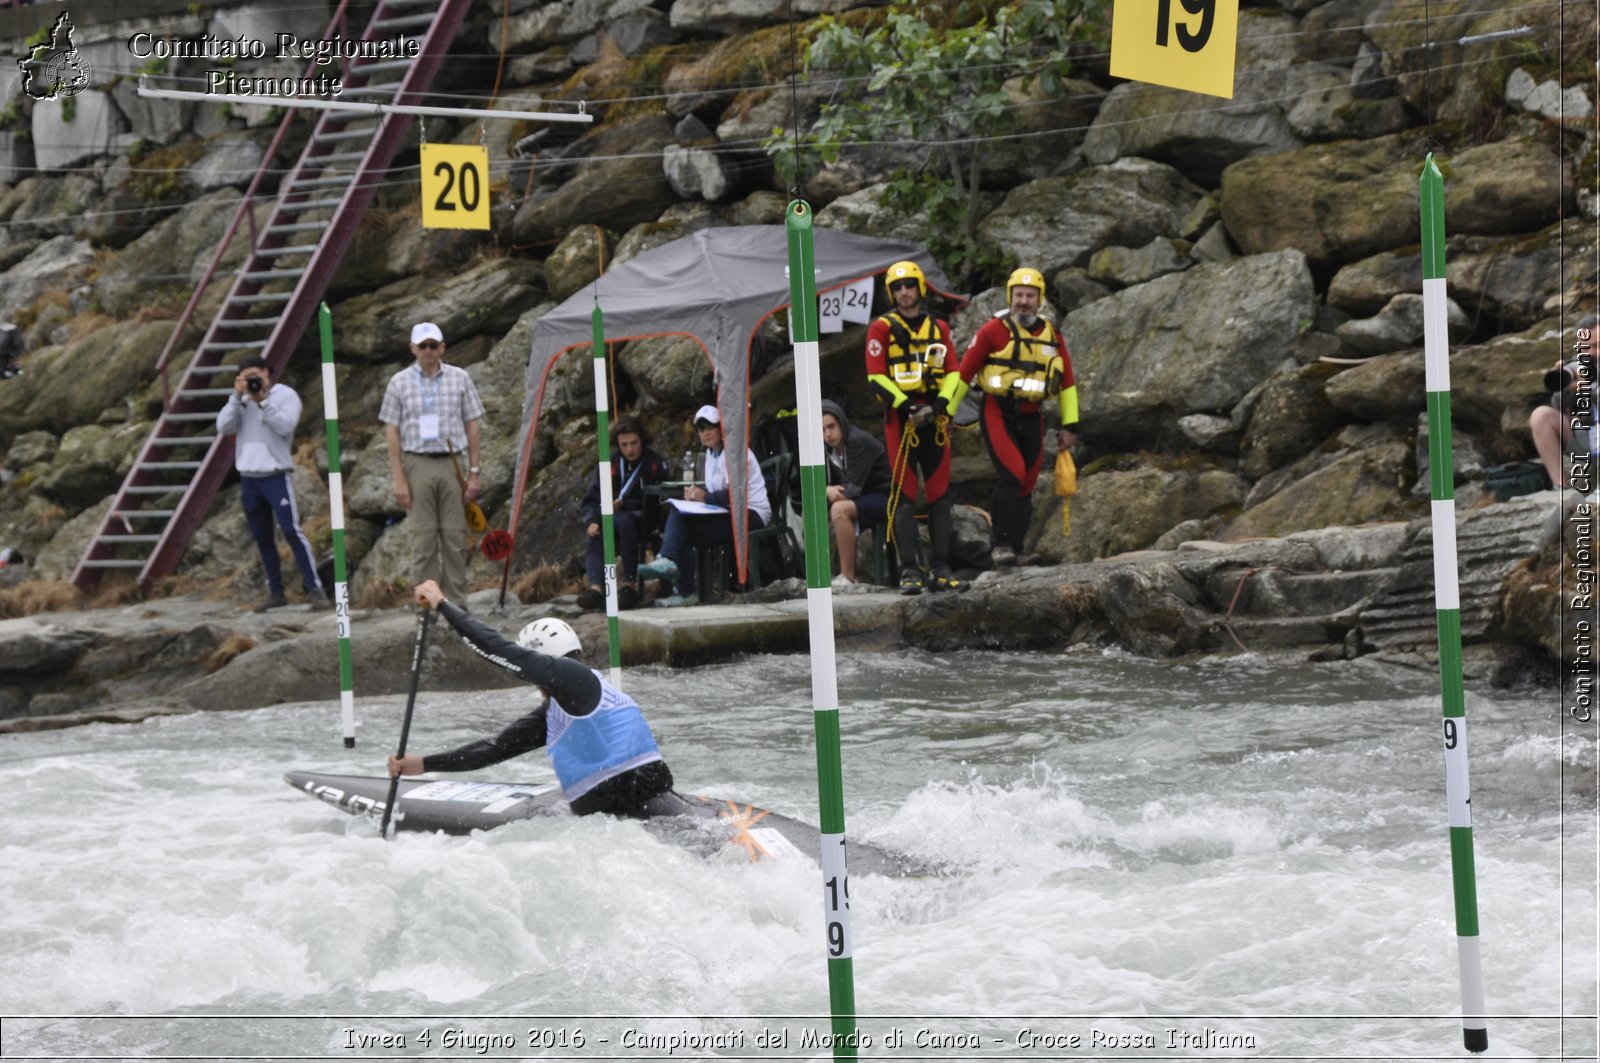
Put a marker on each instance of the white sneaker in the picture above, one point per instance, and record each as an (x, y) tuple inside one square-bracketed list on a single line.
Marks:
[(840, 582)]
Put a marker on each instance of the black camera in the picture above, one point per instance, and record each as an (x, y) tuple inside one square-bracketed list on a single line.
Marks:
[(253, 382), (1579, 369)]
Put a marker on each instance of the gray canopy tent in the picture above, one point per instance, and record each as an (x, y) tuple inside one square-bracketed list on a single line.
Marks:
[(715, 286)]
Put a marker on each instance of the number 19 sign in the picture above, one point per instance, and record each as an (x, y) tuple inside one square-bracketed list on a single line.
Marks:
[(455, 186), (1183, 44)]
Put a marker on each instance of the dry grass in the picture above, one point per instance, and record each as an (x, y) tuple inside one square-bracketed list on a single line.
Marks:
[(1078, 598), (546, 582), (113, 593), (231, 647), (38, 596), (384, 594)]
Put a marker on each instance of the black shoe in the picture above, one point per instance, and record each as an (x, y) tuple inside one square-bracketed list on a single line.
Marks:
[(274, 601), (627, 597), (946, 581), (591, 599), (911, 582), (319, 599)]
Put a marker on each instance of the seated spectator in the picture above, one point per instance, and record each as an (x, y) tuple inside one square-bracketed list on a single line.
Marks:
[(697, 523), (1572, 397), (858, 484), (634, 466)]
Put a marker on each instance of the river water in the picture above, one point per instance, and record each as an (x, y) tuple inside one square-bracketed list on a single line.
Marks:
[(1237, 859)]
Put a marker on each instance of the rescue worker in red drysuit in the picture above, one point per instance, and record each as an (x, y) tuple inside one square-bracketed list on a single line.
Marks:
[(1019, 359), (907, 361)]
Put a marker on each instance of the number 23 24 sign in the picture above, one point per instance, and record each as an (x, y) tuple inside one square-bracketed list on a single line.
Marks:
[(455, 186), (1183, 44)]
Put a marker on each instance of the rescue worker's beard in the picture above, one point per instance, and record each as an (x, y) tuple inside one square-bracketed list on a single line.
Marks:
[(1025, 318)]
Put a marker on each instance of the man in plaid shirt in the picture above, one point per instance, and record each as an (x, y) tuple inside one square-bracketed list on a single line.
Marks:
[(431, 410)]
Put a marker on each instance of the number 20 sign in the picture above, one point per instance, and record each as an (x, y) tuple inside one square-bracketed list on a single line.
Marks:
[(455, 186), (1183, 44)]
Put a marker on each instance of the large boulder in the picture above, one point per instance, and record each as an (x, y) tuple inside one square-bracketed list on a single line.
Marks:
[(1490, 383), (1061, 221), (1454, 84), (1362, 476), (1118, 511), (1341, 202), (1011, 613), (1191, 131), (577, 260), (623, 186), (1289, 417), (390, 244), (869, 212), (1328, 105), (679, 220), (49, 206), (71, 385), (501, 380), (483, 300), (185, 241), (57, 264), (1191, 342), (91, 462), (1509, 279), (669, 370), (1154, 610), (699, 173)]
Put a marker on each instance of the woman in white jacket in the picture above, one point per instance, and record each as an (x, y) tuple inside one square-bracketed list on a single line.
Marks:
[(696, 525)]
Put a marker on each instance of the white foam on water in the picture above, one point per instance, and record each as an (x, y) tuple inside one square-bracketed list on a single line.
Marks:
[(1115, 839)]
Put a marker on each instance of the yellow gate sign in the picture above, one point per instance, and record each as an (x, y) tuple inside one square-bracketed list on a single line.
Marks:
[(1183, 44), (455, 186)]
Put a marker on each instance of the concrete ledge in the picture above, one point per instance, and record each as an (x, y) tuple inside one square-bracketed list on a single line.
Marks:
[(697, 634)]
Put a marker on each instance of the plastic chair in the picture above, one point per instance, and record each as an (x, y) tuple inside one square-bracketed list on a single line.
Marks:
[(775, 470)]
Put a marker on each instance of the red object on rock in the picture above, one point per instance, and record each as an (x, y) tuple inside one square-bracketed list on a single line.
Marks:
[(498, 545)]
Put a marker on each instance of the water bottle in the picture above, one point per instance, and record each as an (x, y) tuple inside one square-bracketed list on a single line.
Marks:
[(688, 465)]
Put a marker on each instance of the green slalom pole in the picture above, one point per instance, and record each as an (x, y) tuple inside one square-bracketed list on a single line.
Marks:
[(819, 610), (341, 585), (1447, 599), (602, 434)]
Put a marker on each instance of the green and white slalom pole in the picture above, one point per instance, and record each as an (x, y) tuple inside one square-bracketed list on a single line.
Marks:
[(1447, 599), (819, 611), (341, 585), (602, 434)]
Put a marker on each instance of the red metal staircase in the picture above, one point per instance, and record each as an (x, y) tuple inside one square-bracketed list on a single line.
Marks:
[(274, 294)]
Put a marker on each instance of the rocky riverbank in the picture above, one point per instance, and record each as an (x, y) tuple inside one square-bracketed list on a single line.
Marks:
[(1329, 594)]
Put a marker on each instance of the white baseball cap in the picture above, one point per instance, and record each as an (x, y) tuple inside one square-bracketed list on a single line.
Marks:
[(707, 413), (427, 330)]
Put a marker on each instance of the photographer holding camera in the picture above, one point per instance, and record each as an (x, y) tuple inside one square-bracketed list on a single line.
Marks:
[(263, 415), (1565, 424)]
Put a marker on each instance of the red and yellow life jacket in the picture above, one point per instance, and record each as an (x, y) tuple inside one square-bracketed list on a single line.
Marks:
[(1028, 368), (912, 368)]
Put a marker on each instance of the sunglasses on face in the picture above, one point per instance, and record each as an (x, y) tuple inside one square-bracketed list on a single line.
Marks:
[(429, 345), (898, 285)]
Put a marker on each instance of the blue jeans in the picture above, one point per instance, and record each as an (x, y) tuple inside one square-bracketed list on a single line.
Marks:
[(625, 527), (686, 531)]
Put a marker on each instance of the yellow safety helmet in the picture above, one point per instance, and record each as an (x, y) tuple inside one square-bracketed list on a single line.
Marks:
[(1025, 278), (901, 271)]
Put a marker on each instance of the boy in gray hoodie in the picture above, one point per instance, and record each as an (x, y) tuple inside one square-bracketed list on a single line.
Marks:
[(858, 486)]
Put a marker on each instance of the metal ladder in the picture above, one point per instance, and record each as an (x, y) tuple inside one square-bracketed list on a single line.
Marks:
[(274, 294)]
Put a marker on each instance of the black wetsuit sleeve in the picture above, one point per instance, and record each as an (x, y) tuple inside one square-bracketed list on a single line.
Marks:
[(527, 733), (569, 681)]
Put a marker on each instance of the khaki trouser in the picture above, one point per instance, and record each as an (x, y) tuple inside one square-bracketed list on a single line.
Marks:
[(437, 524)]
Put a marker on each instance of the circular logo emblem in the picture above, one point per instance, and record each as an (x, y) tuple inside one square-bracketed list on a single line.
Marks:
[(66, 74)]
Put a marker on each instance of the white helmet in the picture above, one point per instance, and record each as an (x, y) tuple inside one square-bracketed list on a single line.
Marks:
[(550, 636)]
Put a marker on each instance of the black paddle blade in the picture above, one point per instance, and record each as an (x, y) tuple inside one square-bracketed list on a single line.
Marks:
[(423, 623)]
